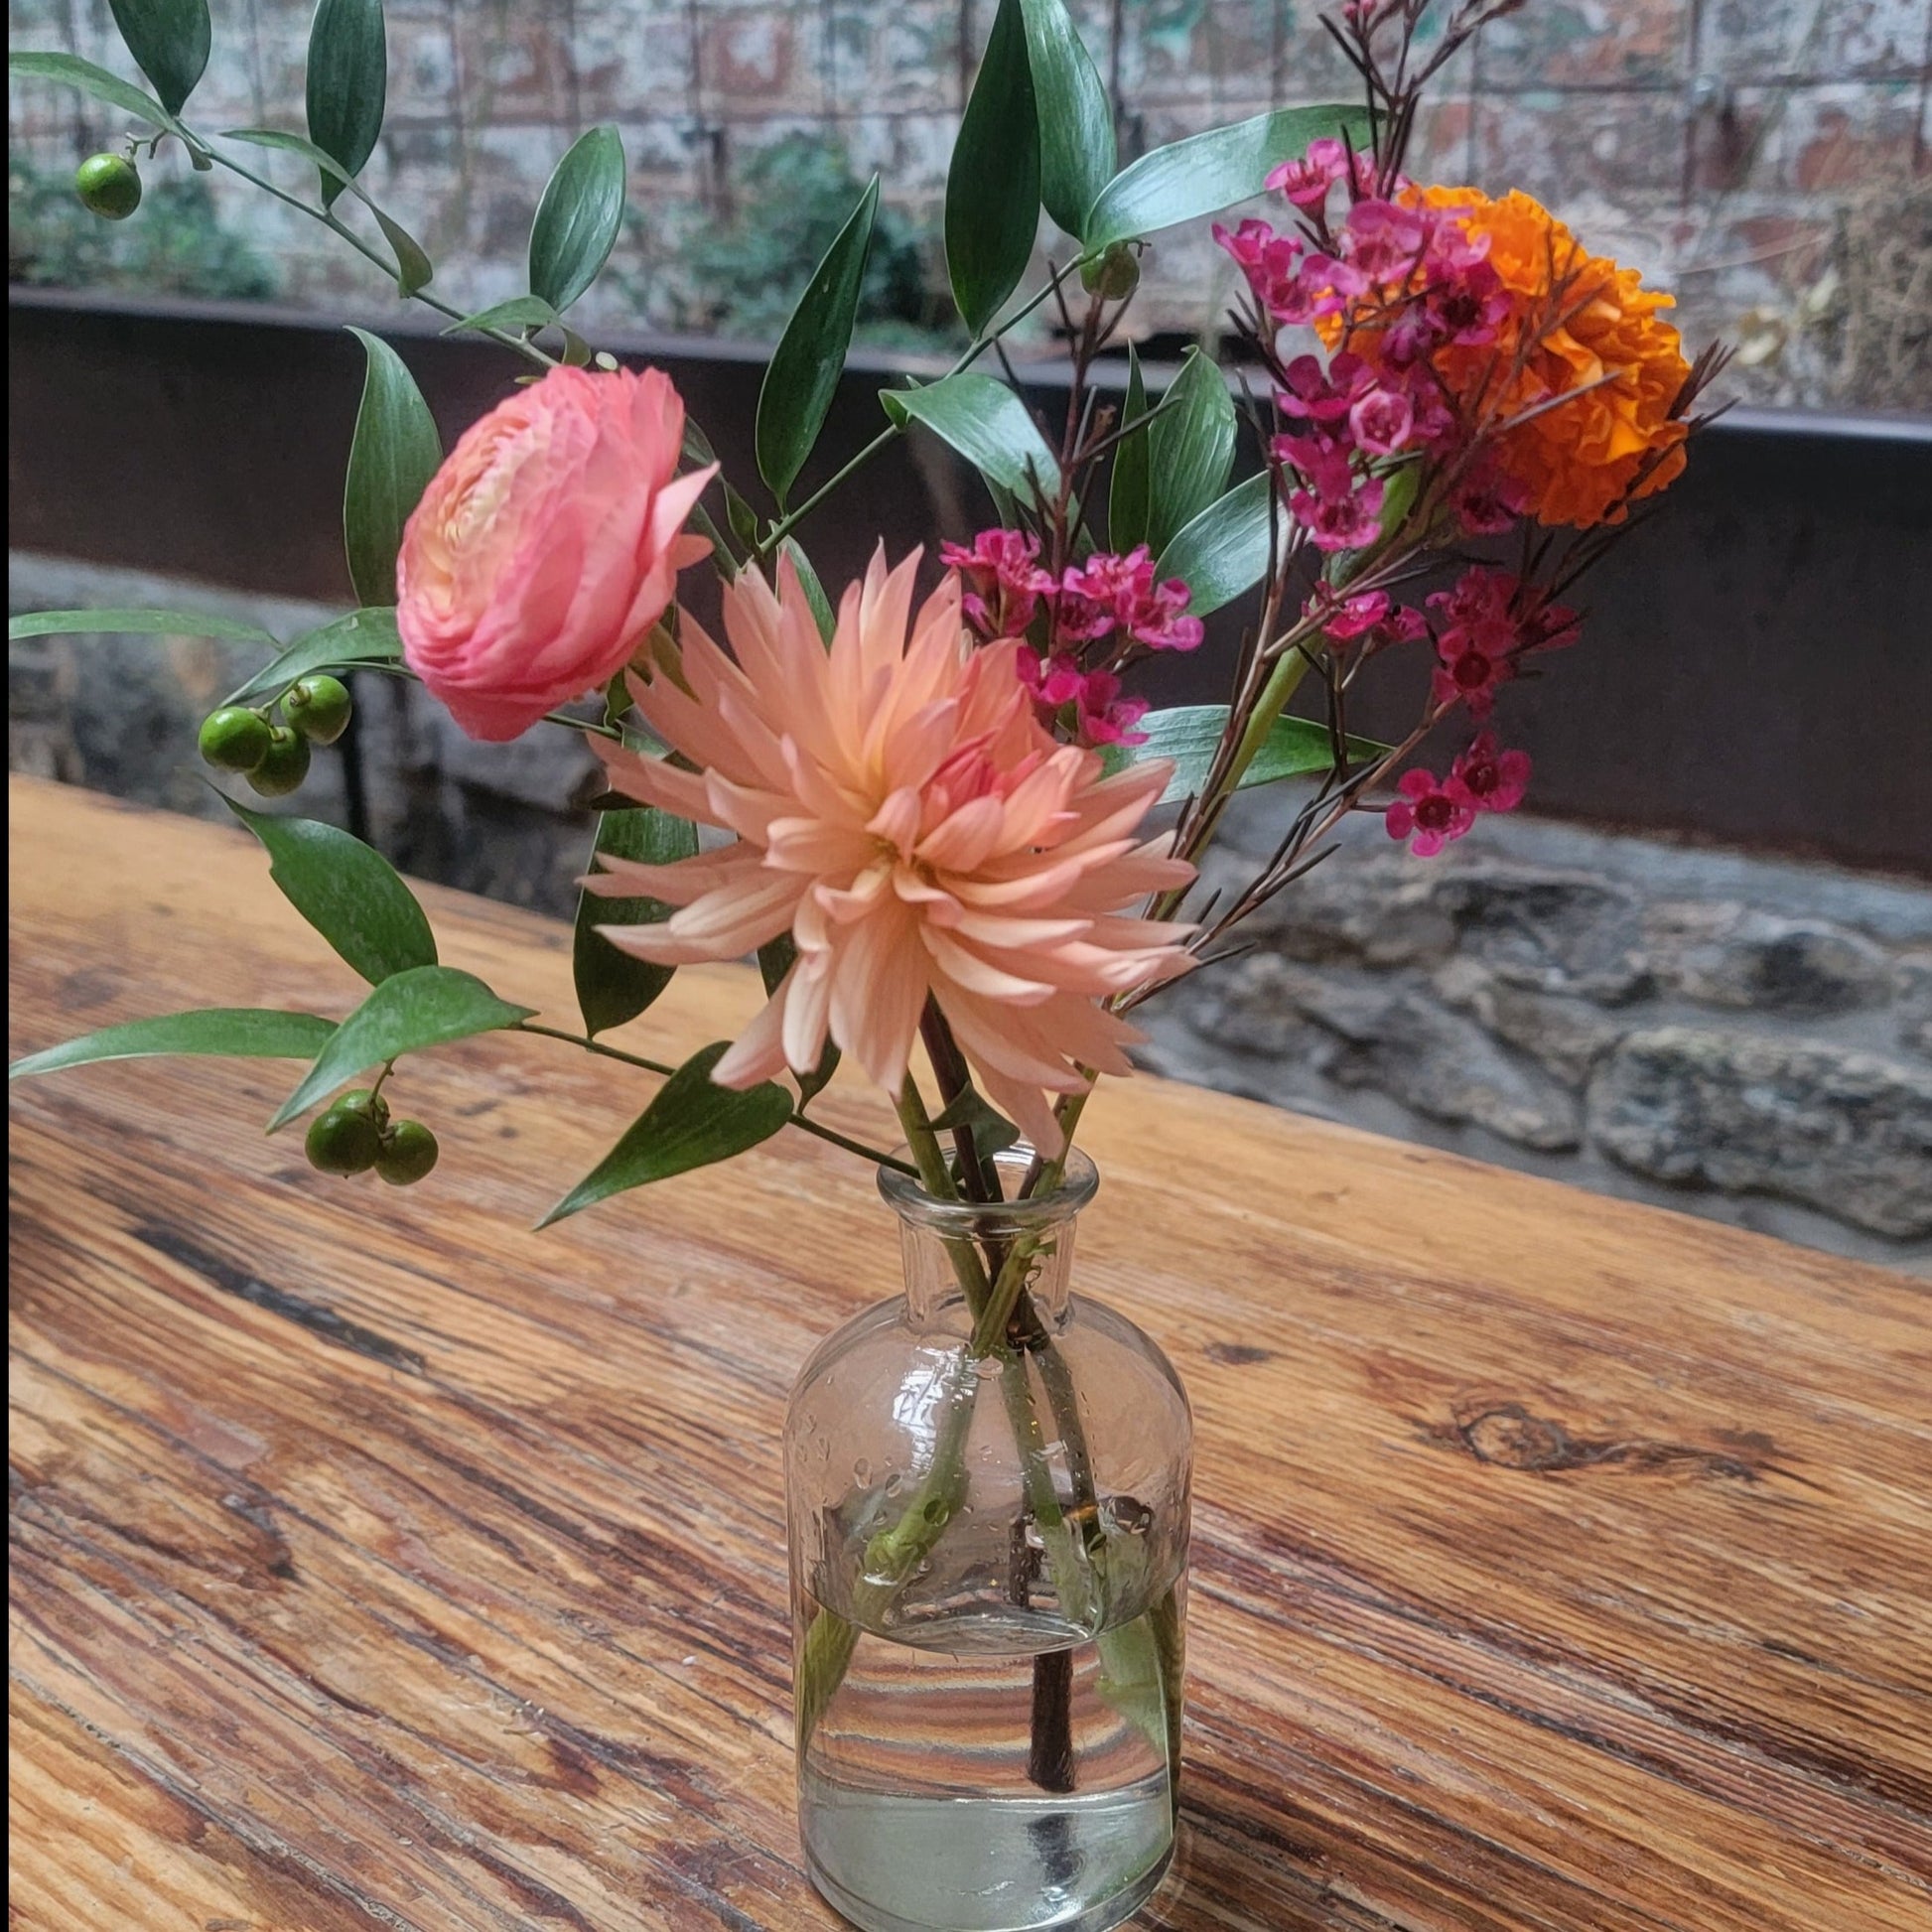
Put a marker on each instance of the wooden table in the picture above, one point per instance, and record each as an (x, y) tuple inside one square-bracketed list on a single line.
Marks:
[(1560, 1564)]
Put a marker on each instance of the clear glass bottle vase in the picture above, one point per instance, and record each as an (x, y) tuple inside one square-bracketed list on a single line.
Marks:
[(987, 1485)]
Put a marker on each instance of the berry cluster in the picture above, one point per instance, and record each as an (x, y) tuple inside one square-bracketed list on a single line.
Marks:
[(272, 756)]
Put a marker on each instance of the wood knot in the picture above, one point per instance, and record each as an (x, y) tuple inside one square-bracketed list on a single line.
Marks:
[(1509, 1436), (1237, 1354)]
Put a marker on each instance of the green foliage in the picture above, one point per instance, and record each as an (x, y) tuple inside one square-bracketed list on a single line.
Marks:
[(256, 1033), (176, 245), (349, 892), (1191, 447), (1295, 747), (347, 84), (170, 42), (395, 452), (428, 1006), (993, 185), (692, 1123), (613, 986), (803, 374), (1223, 551), (742, 277), (578, 218), (988, 425)]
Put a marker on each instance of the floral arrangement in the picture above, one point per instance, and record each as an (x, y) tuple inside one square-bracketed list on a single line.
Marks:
[(949, 829)]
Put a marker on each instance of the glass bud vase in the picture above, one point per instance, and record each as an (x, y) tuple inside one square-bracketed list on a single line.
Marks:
[(987, 1485)]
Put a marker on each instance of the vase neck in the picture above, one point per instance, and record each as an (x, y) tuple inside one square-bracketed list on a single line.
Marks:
[(957, 1252)]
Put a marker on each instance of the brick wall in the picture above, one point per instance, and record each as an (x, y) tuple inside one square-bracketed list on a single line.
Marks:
[(1768, 158)]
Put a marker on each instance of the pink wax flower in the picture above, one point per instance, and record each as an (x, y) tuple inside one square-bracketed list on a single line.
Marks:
[(1383, 421), (1307, 179), (1118, 594), (546, 546), (902, 813), (1429, 812), (1494, 780), (1100, 715), (1348, 522), (1003, 578)]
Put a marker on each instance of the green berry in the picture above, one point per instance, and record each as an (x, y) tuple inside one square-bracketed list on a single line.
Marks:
[(364, 1101), (234, 737), (1113, 276), (317, 707), (108, 185), (408, 1153), (343, 1139), (283, 765)]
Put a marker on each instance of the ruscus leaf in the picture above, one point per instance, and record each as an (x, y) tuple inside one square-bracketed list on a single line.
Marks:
[(988, 425), (366, 636), (70, 70), (1224, 550), (128, 624), (1077, 151), (240, 1032), (808, 581), (170, 42), (613, 986), (692, 1123), (519, 312), (578, 218), (428, 1006), (1191, 448), (347, 84), (992, 184), (1208, 171), (394, 454), (349, 892), (1295, 747), (805, 371)]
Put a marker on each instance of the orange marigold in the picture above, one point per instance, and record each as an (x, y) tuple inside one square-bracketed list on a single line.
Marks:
[(1583, 461)]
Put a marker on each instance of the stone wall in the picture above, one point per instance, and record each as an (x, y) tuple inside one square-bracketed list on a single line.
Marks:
[(1766, 158), (1734, 1036), (1742, 1036)]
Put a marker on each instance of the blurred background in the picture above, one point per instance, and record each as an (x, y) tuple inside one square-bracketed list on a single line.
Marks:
[(1701, 973)]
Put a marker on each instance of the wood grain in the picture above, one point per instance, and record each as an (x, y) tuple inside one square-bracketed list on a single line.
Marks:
[(1561, 1565)]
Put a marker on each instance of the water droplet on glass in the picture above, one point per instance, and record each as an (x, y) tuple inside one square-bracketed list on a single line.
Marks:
[(861, 1471)]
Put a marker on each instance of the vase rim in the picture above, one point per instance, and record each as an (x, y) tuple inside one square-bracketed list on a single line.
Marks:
[(907, 1197)]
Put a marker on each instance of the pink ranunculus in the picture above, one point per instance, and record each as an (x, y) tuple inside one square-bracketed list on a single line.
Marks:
[(546, 546)]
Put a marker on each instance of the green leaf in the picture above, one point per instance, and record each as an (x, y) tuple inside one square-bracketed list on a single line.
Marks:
[(286, 143), (245, 1032), (414, 269), (129, 624), (395, 452), (775, 959), (1189, 734), (1076, 125), (347, 82), (823, 614), (1190, 445), (991, 1132), (70, 70), (519, 312), (1209, 171), (169, 40), (366, 636), (1128, 504), (992, 184), (690, 1123), (613, 986), (1224, 550), (428, 1006), (349, 892), (804, 369), (578, 218), (988, 425)]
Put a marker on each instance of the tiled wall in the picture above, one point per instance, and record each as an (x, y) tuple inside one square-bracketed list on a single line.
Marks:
[(1770, 158)]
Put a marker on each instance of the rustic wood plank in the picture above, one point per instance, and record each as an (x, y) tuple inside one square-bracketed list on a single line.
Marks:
[(1563, 1565)]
